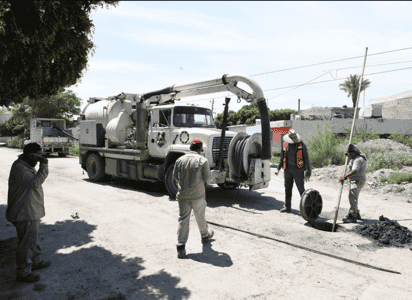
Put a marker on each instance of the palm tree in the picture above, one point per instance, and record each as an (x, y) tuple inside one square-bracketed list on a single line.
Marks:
[(351, 86)]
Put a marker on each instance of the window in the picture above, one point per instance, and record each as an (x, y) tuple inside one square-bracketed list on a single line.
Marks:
[(191, 116), (164, 117)]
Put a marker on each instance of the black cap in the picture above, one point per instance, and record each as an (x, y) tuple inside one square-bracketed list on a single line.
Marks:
[(353, 148), (31, 148)]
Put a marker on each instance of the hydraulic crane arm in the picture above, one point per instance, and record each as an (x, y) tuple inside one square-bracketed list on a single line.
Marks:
[(224, 84)]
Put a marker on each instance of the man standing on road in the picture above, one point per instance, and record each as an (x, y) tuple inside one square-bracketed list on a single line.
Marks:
[(25, 207), (294, 159), (357, 176), (191, 173)]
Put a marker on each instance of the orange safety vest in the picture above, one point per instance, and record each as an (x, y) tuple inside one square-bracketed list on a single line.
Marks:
[(299, 155)]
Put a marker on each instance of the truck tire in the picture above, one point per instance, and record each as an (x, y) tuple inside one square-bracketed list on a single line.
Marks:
[(95, 167), (169, 182), (228, 185)]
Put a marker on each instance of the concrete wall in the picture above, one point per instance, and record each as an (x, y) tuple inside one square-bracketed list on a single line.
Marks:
[(327, 112), (397, 109), (311, 129), (5, 117), (5, 139)]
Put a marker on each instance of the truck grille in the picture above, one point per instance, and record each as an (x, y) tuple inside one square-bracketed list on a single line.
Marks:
[(216, 148)]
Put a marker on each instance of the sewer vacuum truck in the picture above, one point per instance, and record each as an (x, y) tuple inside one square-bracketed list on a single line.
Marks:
[(140, 136)]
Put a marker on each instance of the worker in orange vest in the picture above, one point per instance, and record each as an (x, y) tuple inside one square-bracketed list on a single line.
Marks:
[(294, 159)]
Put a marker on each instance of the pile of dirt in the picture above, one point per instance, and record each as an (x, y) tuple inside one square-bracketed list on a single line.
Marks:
[(387, 232)]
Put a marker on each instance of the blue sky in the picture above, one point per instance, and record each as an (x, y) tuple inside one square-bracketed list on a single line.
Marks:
[(146, 46)]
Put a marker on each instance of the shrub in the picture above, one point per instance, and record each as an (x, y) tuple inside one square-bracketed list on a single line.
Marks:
[(393, 160), (75, 149), (396, 178), (275, 159), (358, 137), (323, 149), (402, 138), (15, 144)]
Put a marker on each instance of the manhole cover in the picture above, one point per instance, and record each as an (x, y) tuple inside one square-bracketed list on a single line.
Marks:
[(311, 205)]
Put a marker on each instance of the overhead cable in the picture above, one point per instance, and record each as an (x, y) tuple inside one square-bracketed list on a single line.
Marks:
[(296, 86), (322, 63), (401, 62)]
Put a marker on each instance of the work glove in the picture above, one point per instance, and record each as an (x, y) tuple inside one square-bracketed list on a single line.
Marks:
[(342, 179), (307, 176)]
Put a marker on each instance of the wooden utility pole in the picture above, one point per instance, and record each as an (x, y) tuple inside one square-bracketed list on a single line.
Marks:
[(298, 106), (350, 138)]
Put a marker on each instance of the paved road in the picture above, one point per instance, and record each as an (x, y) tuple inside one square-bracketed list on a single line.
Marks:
[(123, 243)]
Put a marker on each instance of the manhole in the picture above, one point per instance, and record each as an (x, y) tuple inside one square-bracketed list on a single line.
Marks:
[(325, 226)]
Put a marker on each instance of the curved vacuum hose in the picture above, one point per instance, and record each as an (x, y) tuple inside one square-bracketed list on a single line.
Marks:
[(264, 115)]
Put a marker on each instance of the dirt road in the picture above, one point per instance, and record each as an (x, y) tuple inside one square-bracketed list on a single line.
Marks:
[(122, 246)]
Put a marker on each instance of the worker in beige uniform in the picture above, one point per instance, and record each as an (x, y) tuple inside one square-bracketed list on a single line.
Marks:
[(191, 173), (357, 176), (25, 207)]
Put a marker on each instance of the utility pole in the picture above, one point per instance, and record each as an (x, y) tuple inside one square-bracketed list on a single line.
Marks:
[(364, 99), (298, 106), (213, 102)]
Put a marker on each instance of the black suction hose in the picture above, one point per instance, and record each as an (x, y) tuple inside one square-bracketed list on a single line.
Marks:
[(264, 116)]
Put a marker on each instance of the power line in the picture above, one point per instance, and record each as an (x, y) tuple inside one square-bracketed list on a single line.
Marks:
[(322, 63), (304, 83), (296, 86), (401, 62)]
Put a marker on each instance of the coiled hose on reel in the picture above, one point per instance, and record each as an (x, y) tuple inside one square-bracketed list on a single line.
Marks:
[(238, 157)]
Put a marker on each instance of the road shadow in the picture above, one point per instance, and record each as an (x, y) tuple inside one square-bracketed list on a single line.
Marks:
[(154, 189), (212, 257), (242, 197), (81, 273)]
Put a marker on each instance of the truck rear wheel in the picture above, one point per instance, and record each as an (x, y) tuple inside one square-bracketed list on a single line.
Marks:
[(171, 186), (95, 167)]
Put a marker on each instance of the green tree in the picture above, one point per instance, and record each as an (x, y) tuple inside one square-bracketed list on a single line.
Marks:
[(249, 113), (351, 87), (44, 46), (63, 105)]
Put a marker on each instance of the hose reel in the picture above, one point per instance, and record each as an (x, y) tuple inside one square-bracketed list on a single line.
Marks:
[(242, 148)]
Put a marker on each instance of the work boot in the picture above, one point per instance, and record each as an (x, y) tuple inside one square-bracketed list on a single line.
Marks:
[(29, 278), (285, 210), (357, 216), (43, 264), (181, 251), (349, 219), (206, 240)]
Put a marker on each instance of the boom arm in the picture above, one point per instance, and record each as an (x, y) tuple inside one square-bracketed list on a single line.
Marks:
[(224, 84)]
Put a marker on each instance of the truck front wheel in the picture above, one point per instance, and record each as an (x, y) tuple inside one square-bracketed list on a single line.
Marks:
[(95, 167), (228, 185), (169, 182)]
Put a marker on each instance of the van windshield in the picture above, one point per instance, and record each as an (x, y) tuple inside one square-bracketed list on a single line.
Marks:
[(192, 116)]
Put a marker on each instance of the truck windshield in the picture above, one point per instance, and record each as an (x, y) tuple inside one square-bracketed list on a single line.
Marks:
[(192, 116)]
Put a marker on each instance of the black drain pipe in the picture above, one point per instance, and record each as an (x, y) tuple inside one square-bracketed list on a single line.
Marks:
[(265, 125), (222, 137)]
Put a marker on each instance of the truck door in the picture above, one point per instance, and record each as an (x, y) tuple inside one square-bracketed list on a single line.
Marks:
[(160, 136)]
